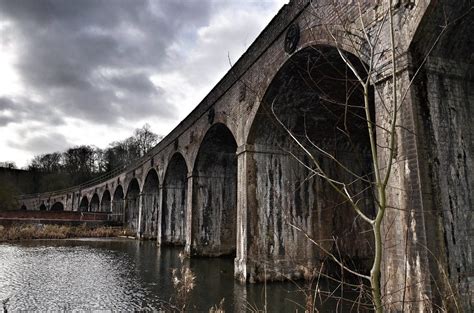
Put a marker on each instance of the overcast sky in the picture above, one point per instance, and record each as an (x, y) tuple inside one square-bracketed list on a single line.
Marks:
[(89, 72)]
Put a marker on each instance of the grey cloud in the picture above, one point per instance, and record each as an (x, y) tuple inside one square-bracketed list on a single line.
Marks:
[(63, 44), (23, 110), (5, 120), (6, 104)]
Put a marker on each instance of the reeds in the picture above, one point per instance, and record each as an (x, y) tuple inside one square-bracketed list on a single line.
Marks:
[(41, 231)]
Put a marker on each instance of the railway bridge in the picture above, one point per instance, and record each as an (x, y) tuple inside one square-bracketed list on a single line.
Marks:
[(229, 179)]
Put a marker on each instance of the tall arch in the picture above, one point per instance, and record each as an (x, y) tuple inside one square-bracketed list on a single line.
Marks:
[(316, 98), (215, 194), (95, 203), (150, 205), (441, 112), (58, 206), (105, 204), (23, 208), (132, 203), (175, 189), (84, 204), (118, 204), (42, 207)]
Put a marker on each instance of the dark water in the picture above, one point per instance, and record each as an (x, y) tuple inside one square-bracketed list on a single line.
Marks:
[(119, 275)]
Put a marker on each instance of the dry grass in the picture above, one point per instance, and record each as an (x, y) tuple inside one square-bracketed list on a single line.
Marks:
[(40, 231)]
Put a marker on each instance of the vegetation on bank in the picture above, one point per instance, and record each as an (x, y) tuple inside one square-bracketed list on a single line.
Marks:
[(8, 194), (79, 164), (40, 231)]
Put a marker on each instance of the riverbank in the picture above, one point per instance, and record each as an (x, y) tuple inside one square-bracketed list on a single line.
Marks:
[(42, 231)]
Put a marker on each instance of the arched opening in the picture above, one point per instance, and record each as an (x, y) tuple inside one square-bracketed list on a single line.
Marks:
[(175, 189), (105, 203), (132, 202), (443, 114), (58, 206), (23, 208), (42, 207), (149, 224), (317, 98), (118, 204), (215, 194), (84, 205), (95, 203)]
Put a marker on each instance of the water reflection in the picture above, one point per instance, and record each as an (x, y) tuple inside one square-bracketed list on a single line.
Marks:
[(117, 275)]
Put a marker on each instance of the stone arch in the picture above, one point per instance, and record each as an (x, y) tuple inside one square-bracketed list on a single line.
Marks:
[(132, 204), (57, 206), (191, 156), (105, 203), (214, 199), (42, 207), (308, 95), (84, 204), (118, 204), (23, 208), (443, 106), (95, 203), (175, 187), (150, 205)]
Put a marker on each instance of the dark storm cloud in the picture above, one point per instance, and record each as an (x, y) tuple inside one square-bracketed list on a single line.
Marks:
[(92, 59), (23, 110)]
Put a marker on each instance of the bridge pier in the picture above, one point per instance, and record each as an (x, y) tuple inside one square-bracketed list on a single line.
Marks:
[(140, 216), (240, 262), (159, 219), (189, 213)]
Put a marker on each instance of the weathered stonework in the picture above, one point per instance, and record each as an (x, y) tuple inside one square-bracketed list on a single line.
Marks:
[(222, 181)]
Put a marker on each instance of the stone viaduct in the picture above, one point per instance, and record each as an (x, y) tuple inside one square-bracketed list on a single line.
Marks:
[(228, 179)]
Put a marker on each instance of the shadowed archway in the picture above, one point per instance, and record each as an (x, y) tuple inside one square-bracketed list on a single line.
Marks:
[(150, 206), (95, 203), (118, 204), (84, 205), (105, 204), (175, 189), (318, 99), (58, 206), (215, 194), (132, 203)]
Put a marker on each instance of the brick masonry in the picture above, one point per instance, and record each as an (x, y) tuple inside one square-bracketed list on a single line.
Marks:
[(242, 185)]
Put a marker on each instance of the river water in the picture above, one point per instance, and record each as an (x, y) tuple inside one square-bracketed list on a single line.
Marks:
[(119, 275)]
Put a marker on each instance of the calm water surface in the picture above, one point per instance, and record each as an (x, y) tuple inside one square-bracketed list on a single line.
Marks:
[(118, 275)]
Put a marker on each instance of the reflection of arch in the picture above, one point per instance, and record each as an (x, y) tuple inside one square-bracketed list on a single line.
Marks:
[(23, 208), (309, 96), (58, 206), (215, 193), (84, 205), (42, 207), (105, 203), (132, 202), (174, 201), (118, 204), (148, 225), (95, 203)]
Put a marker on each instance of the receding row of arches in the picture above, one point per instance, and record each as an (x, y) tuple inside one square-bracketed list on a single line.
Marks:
[(95, 204), (316, 98), (57, 206)]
